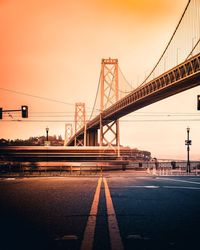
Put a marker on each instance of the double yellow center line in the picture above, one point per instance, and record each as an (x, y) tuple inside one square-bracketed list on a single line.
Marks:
[(115, 238)]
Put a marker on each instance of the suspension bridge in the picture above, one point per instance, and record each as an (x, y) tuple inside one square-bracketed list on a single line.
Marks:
[(177, 70)]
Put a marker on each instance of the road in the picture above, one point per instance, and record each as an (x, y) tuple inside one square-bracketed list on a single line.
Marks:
[(117, 211)]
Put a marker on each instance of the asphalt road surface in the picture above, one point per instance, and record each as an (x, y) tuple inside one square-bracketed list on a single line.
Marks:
[(117, 211)]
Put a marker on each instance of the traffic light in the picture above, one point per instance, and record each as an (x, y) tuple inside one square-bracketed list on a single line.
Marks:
[(198, 102), (1, 113), (24, 111)]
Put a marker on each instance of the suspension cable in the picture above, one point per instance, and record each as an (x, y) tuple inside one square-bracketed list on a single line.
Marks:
[(167, 44)]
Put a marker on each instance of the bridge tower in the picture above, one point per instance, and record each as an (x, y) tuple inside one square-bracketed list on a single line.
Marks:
[(109, 132), (80, 122), (68, 132)]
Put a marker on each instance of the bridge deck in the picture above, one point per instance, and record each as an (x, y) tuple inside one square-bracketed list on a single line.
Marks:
[(178, 79)]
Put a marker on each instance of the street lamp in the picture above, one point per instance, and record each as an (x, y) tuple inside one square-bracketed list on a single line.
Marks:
[(188, 142), (47, 131)]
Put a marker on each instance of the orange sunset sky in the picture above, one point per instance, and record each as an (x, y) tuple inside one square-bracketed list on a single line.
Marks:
[(53, 49)]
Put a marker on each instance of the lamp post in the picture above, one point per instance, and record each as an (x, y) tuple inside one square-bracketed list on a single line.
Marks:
[(47, 131), (188, 142)]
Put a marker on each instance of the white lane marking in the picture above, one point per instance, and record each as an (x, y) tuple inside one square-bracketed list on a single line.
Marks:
[(141, 177), (115, 238), (178, 187), (67, 237), (136, 237), (178, 180), (154, 187), (88, 237), (144, 187)]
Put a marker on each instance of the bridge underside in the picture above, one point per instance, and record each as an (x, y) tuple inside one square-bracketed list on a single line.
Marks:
[(182, 77), (179, 87)]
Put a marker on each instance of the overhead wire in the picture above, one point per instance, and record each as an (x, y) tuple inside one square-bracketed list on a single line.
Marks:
[(130, 115), (121, 121), (38, 97)]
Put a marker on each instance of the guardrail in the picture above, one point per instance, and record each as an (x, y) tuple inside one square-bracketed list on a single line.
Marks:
[(65, 168), (58, 168)]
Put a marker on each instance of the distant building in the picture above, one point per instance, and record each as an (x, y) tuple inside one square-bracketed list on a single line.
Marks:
[(135, 154)]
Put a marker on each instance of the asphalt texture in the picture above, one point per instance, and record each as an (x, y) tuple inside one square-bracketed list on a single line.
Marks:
[(52, 212)]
